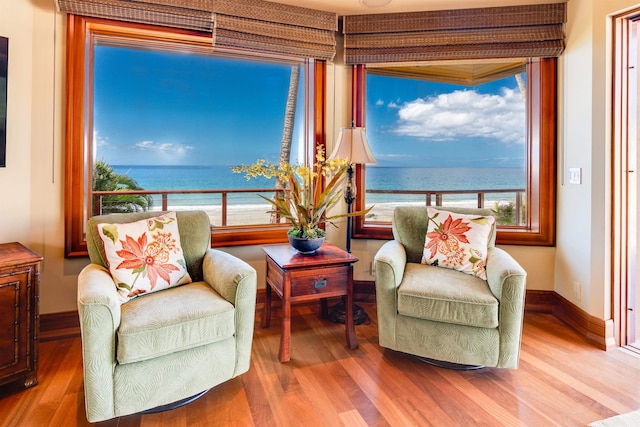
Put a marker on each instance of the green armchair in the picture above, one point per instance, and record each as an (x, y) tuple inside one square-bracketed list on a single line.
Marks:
[(168, 346), (448, 317)]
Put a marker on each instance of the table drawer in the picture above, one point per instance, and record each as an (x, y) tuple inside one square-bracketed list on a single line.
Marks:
[(325, 280)]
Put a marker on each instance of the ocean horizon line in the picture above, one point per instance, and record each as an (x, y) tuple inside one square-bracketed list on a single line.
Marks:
[(368, 166)]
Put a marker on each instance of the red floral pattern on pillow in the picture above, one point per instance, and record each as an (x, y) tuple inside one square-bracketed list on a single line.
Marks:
[(459, 242), (144, 256)]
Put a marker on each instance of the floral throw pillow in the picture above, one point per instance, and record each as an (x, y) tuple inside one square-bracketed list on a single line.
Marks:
[(458, 241), (144, 256)]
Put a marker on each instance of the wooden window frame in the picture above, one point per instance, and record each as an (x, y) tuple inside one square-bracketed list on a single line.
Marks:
[(541, 160), (81, 31)]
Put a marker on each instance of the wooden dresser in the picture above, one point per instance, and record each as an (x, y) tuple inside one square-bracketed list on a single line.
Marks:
[(19, 318)]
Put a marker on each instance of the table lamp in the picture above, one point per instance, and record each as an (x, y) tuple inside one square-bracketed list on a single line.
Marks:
[(351, 145)]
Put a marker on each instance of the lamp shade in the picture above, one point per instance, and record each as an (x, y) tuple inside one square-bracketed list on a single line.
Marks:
[(352, 145)]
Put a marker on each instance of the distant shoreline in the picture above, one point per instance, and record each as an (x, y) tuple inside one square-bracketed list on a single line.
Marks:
[(368, 167)]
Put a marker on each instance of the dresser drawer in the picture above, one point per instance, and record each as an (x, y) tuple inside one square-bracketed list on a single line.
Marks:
[(14, 322), (19, 314), (320, 281)]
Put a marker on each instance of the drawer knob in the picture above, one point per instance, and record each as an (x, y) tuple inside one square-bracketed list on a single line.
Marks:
[(320, 283)]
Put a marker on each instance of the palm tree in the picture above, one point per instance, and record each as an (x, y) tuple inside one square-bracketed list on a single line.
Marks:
[(290, 115), (106, 179), (287, 131)]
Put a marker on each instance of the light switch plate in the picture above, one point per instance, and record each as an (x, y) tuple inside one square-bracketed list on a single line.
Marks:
[(575, 175)]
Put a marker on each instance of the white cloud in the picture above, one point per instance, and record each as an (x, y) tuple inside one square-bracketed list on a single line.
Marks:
[(379, 102), (465, 114), (144, 145), (98, 140), (162, 147)]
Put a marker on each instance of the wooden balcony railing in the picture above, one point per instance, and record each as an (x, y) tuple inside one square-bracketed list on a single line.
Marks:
[(430, 197), (435, 198), (98, 197)]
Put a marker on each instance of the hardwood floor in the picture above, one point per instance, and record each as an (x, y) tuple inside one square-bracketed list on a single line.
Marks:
[(561, 381)]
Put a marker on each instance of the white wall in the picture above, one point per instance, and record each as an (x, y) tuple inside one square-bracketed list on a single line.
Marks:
[(584, 211), (15, 179), (574, 215), (32, 184)]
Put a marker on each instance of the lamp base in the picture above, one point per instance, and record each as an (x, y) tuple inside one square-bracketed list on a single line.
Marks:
[(337, 314)]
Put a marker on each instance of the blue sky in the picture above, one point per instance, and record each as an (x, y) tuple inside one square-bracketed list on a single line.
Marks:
[(179, 109), (444, 125)]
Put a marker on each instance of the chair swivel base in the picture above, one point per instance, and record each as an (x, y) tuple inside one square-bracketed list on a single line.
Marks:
[(175, 405), (449, 365)]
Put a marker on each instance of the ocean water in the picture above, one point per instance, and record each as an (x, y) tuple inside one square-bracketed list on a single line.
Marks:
[(378, 178), (442, 179)]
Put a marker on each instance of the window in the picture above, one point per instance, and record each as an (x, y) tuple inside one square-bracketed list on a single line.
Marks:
[(442, 143), (156, 119)]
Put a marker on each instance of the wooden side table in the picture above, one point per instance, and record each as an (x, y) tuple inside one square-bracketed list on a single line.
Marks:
[(19, 316), (296, 277)]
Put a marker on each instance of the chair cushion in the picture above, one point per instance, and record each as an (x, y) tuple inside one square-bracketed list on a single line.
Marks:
[(458, 241), (144, 256), (172, 320), (449, 296)]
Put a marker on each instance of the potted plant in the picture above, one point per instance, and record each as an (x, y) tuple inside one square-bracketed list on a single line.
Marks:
[(304, 201)]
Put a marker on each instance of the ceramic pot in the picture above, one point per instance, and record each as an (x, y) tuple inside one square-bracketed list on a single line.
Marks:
[(304, 245)]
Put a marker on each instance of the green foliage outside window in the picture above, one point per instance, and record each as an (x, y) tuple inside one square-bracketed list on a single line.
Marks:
[(106, 179), (506, 213)]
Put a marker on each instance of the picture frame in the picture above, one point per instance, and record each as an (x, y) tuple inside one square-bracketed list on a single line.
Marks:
[(4, 61)]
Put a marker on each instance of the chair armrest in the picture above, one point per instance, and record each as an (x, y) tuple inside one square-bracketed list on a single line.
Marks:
[(504, 274), (230, 276), (99, 312), (389, 263), (98, 296), (237, 282), (507, 280)]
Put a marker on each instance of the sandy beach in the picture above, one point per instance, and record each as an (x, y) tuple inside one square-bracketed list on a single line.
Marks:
[(258, 214)]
